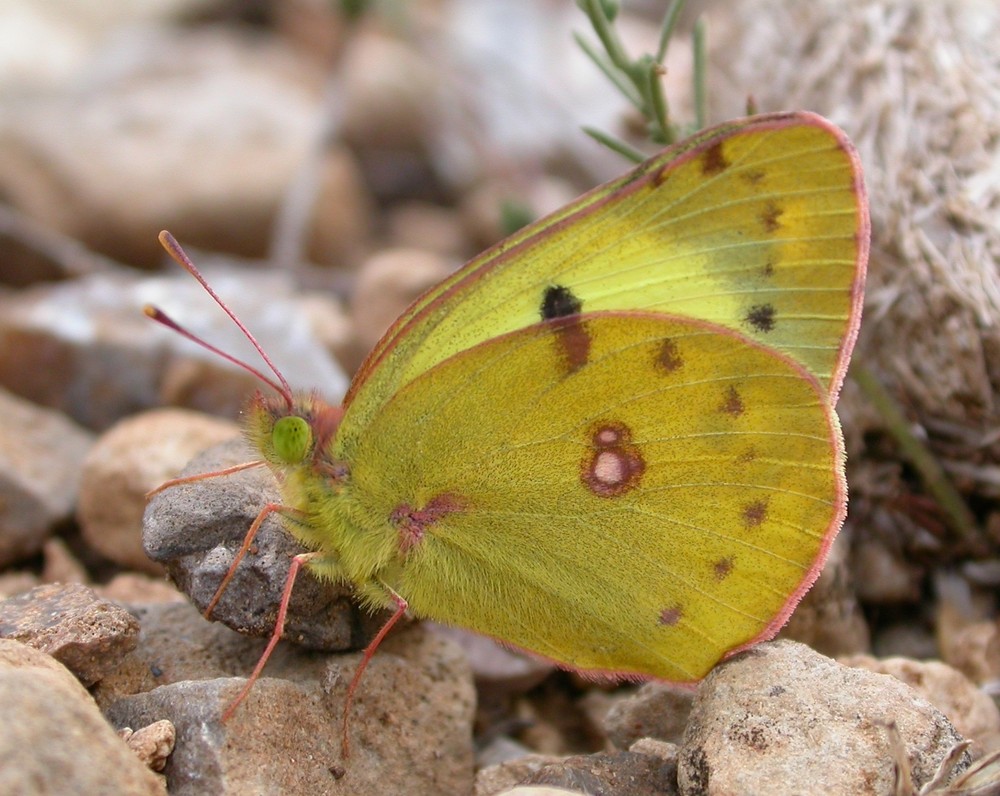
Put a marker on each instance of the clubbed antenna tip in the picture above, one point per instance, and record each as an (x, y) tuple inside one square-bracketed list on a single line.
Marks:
[(173, 248)]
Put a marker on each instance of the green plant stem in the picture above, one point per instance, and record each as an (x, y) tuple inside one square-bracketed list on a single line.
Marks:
[(615, 145), (700, 90), (933, 476)]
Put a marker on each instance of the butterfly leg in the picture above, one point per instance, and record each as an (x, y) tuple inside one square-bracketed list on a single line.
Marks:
[(268, 510), (401, 606), (279, 625), (190, 479)]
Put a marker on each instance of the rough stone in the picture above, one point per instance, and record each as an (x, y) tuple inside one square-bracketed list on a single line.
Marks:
[(133, 457), (40, 456), (152, 744), (410, 726), (782, 719), (87, 634), (656, 710), (60, 740), (974, 714)]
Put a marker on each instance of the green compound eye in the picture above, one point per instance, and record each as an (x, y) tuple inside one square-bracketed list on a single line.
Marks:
[(292, 438)]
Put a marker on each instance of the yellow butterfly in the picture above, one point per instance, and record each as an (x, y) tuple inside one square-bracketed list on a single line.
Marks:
[(610, 439)]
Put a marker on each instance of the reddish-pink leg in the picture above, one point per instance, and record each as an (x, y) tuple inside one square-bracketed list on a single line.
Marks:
[(265, 512), (279, 628), (401, 606), (188, 479)]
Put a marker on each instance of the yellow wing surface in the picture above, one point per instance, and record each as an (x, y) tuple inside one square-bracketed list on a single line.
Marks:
[(758, 225), (610, 439), (624, 492)]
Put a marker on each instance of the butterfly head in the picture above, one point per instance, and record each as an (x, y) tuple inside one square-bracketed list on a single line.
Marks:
[(291, 433)]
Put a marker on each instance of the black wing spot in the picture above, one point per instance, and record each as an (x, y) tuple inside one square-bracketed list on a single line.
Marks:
[(761, 317), (559, 302)]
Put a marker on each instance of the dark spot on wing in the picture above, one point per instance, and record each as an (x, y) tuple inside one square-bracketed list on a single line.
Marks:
[(755, 513), (714, 161), (770, 217), (559, 302), (722, 568), (668, 358), (412, 523), (732, 404), (562, 308), (761, 317)]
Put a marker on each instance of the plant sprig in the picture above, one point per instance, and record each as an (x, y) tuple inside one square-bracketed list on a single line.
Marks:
[(639, 79)]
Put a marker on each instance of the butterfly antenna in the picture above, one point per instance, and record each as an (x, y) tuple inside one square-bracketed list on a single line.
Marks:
[(281, 386)]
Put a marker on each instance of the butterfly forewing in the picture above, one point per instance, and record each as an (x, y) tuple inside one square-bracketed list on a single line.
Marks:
[(760, 226)]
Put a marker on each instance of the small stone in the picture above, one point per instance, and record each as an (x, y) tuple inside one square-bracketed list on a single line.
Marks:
[(500, 749), (390, 93), (46, 47), (332, 328), (133, 675), (782, 719), (544, 723), (15, 582), (131, 588), (654, 748), (974, 713), (61, 566), (86, 348), (342, 211), (414, 708), (594, 705), (883, 576), (196, 109), (656, 710), (966, 629), (905, 638), (152, 744), (17, 654), (501, 777), (624, 773), (829, 618), (87, 634), (178, 644), (499, 671), (427, 227), (975, 651), (127, 461), (40, 456)]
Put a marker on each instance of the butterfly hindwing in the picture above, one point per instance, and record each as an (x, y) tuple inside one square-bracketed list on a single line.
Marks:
[(623, 492)]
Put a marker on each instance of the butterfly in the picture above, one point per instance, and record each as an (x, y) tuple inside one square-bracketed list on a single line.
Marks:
[(610, 440)]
